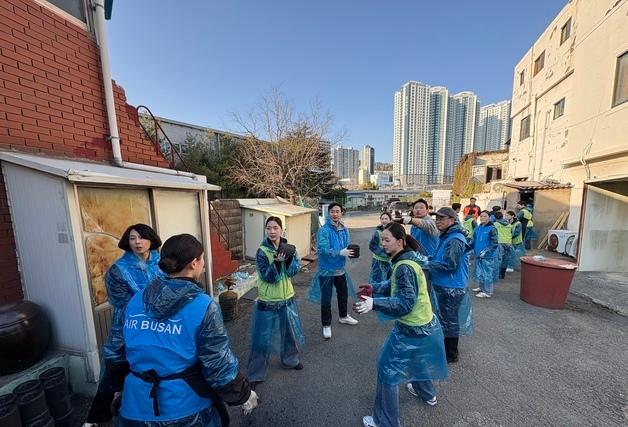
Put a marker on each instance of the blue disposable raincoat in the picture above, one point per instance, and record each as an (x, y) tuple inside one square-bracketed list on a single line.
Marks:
[(426, 234), (330, 241), (506, 251), (169, 327), (276, 324), (449, 292), (380, 265), (412, 352), (486, 251), (127, 276), (517, 245)]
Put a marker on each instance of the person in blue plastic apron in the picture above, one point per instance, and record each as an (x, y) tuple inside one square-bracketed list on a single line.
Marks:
[(332, 240), (485, 249), (182, 370), (131, 273), (449, 270), (380, 265), (517, 241), (414, 352), (424, 228), (276, 325), (504, 238)]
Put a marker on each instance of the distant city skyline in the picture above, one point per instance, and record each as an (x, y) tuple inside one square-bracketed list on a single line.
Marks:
[(204, 72), (432, 130)]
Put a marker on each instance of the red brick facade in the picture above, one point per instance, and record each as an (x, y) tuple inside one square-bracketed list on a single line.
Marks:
[(52, 102)]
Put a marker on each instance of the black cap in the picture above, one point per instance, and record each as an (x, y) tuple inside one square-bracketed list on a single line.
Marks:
[(447, 212)]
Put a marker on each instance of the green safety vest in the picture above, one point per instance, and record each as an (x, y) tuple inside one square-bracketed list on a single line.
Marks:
[(468, 225), (504, 233), (518, 239), (280, 291), (421, 313), (379, 257), (528, 215)]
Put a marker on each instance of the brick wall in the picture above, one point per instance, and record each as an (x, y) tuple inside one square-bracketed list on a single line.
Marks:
[(52, 102)]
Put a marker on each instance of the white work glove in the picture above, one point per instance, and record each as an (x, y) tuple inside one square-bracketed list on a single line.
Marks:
[(249, 405), (365, 305), (345, 252), (407, 220)]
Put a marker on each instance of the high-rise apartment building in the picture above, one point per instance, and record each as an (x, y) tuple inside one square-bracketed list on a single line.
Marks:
[(493, 128), (439, 105), (368, 159), (432, 130), (411, 133), (462, 120), (346, 162)]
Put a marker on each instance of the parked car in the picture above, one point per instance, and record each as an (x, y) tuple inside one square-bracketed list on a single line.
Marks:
[(399, 209), (387, 203)]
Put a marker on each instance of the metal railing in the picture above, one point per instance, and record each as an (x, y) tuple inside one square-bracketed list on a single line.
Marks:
[(219, 224), (158, 141)]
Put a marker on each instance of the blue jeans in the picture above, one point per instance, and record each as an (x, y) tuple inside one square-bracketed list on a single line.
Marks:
[(386, 406)]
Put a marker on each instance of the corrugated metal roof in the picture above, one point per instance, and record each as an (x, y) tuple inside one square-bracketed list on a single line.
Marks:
[(284, 209), (77, 171), (535, 185)]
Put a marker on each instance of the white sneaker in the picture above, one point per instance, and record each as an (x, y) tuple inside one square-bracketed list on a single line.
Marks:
[(348, 320), (432, 401), (368, 421), (482, 295), (509, 270), (327, 332), (476, 289), (413, 392)]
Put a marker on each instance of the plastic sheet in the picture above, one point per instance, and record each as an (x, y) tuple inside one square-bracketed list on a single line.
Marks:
[(483, 271), (127, 276), (508, 254), (207, 418), (412, 354), (531, 234), (274, 323), (519, 251), (314, 293), (497, 261), (379, 271), (453, 308)]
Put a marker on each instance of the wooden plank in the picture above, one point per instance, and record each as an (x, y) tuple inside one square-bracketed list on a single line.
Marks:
[(558, 224)]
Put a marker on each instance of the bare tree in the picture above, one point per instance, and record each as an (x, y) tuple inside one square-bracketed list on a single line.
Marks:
[(286, 153)]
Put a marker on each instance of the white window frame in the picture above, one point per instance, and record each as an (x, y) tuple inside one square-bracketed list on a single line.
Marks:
[(559, 107), (67, 16), (618, 64)]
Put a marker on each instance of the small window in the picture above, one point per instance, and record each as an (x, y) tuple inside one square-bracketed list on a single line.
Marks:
[(522, 77), (539, 63), (559, 108), (620, 94), (524, 132), (565, 31), (76, 8)]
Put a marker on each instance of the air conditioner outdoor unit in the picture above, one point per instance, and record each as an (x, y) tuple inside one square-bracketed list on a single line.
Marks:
[(571, 245), (558, 239)]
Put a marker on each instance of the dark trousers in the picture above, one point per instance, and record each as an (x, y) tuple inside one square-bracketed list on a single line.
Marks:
[(327, 284), (451, 348)]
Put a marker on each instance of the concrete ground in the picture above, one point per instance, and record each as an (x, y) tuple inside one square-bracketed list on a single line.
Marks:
[(524, 365)]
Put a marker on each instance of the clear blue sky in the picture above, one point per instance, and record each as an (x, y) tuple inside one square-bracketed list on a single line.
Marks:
[(198, 61)]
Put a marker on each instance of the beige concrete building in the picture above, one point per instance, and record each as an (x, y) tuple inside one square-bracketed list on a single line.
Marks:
[(570, 123)]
